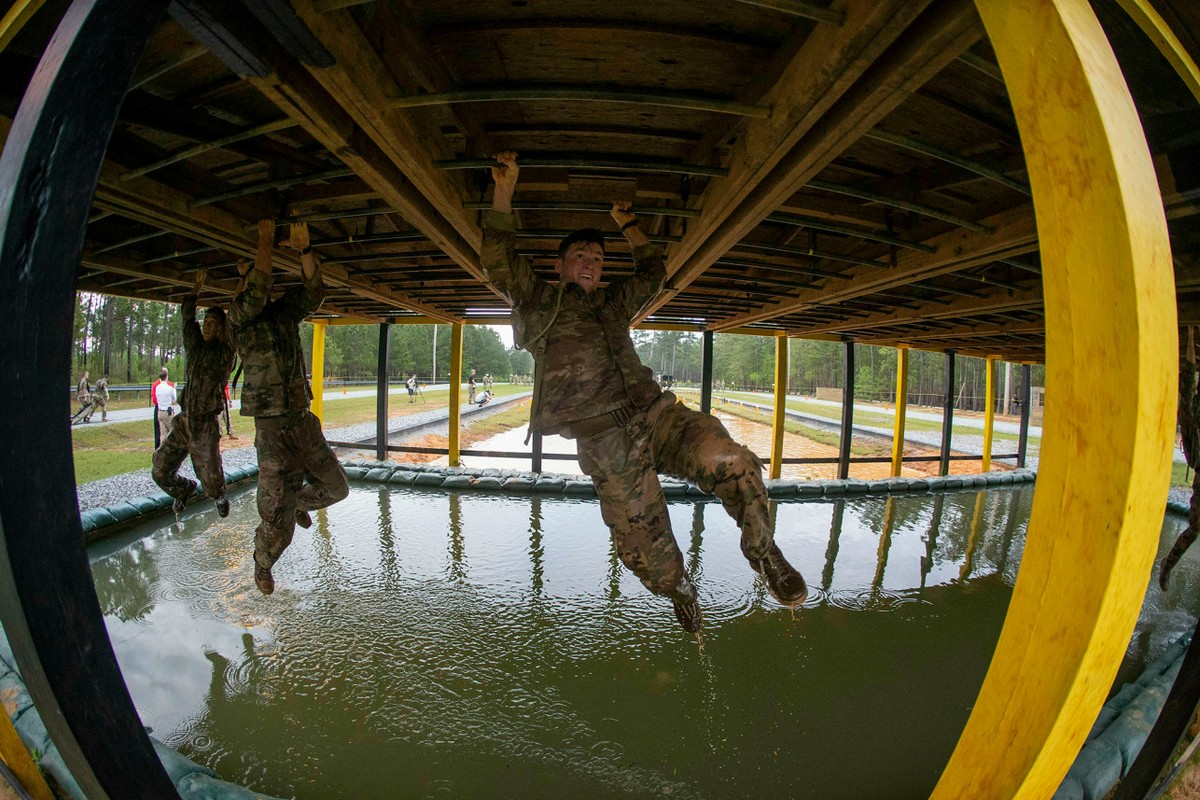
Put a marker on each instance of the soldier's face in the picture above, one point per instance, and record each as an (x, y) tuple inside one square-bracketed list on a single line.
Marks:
[(211, 328), (582, 264)]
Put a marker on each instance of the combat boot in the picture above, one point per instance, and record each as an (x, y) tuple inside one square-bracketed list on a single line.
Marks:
[(303, 519), (784, 582), (689, 615), (222, 505), (180, 501), (264, 580)]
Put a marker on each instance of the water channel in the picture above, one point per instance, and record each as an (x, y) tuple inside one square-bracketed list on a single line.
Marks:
[(431, 644)]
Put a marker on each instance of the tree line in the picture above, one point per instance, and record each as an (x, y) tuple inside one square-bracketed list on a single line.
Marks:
[(130, 340)]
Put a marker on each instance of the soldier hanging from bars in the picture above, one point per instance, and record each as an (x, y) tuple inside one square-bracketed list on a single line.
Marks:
[(590, 386), (194, 431), (297, 471)]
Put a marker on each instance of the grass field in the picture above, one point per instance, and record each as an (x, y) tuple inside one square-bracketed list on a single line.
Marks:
[(102, 451)]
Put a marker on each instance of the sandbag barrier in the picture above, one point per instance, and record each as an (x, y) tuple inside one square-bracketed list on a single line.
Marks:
[(104, 520), (1121, 729), (518, 482), (192, 781)]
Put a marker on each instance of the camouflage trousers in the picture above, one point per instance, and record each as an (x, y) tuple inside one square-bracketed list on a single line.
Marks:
[(98, 404), (671, 438), (297, 471), (199, 438)]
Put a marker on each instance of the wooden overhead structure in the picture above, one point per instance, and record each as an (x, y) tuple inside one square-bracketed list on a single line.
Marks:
[(846, 170)]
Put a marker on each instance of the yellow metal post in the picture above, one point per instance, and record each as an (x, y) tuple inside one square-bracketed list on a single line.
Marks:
[(989, 414), (19, 762), (15, 19), (901, 409), (318, 369), (781, 381), (456, 356), (1106, 451)]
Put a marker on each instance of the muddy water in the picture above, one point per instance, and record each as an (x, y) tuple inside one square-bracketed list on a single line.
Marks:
[(427, 644)]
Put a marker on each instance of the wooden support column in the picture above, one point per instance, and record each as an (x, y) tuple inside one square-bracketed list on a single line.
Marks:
[(48, 603), (947, 415), (847, 410), (455, 422), (901, 409), (706, 372), (15, 755), (318, 369), (1106, 445), (989, 413), (1026, 399), (777, 430), (381, 393)]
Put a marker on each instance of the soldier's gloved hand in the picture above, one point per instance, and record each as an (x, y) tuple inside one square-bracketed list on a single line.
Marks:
[(266, 230)]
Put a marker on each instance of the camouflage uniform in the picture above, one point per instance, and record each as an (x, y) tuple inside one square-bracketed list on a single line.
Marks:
[(100, 400), (276, 393), (591, 381), (194, 429), (83, 396)]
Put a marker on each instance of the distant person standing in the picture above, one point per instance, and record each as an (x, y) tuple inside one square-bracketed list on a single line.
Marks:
[(297, 470), (194, 431), (162, 376), (100, 399), (471, 388), (411, 385), (225, 412), (83, 396), (164, 403)]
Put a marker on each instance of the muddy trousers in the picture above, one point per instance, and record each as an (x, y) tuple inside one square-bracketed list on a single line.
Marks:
[(669, 437), (199, 438), (297, 471)]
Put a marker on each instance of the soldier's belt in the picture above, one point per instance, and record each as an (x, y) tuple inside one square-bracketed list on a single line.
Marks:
[(593, 426)]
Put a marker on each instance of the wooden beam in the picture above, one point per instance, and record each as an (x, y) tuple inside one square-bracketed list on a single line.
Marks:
[(404, 146), (1013, 233), (956, 333), (878, 57), (157, 204)]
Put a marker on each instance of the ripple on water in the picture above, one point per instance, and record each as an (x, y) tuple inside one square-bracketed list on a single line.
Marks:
[(431, 644)]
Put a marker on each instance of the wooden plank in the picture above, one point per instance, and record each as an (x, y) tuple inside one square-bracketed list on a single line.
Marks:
[(999, 302), (1012, 233), (875, 60), (154, 203), (361, 87)]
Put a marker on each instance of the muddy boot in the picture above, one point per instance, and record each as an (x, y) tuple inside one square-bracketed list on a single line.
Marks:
[(263, 579), (303, 519), (689, 615), (785, 583), (181, 500), (222, 505)]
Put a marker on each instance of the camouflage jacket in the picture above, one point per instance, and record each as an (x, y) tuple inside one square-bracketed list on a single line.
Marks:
[(588, 364), (102, 389), (267, 336), (208, 366), (82, 393)]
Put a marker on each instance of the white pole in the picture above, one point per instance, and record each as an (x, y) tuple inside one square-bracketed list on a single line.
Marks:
[(1007, 386), (433, 379)]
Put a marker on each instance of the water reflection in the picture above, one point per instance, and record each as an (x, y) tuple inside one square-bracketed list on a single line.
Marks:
[(443, 645)]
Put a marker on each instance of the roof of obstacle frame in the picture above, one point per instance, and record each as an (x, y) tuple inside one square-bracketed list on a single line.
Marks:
[(845, 170)]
